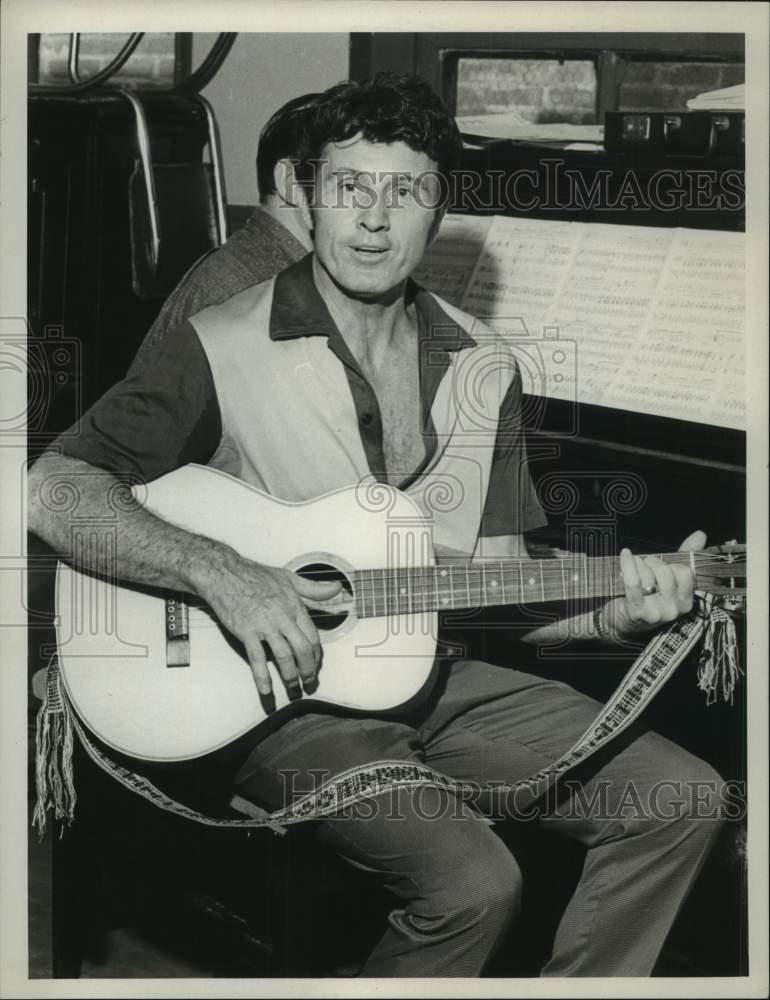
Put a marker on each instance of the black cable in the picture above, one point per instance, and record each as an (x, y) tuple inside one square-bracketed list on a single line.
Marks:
[(210, 66)]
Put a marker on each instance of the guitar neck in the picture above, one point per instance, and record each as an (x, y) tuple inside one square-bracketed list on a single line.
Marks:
[(461, 585)]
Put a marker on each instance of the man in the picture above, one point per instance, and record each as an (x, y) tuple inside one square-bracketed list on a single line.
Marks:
[(338, 370), (274, 236)]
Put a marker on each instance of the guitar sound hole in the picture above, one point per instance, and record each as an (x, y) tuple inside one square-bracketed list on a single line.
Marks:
[(326, 621)]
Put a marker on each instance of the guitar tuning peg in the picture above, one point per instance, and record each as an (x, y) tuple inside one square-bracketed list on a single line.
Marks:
[(730, 548), (734, 604)]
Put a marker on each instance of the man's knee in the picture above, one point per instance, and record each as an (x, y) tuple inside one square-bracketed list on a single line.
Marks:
[(688, 789), (687, 793), (705, 804), (458, 907), (495, 893), (485, 892)]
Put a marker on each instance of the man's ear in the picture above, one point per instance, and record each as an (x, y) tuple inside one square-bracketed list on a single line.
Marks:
[(289, 191), (286, 186)]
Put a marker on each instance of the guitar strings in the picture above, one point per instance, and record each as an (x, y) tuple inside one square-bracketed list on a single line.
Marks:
[(419, 590)]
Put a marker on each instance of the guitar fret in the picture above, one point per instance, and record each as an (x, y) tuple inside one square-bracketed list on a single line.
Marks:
[(531, 581), (409, 590), (493, 584), (542, 579)]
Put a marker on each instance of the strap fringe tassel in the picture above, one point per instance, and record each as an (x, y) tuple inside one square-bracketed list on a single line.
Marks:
[(54, 777), (718, 666)]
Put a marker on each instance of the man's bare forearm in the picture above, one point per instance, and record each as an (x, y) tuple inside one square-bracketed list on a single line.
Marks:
[(576, 627), (256, 603), (149, 550)]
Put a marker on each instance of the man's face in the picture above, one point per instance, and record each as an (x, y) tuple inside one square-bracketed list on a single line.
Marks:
[(374, 214)]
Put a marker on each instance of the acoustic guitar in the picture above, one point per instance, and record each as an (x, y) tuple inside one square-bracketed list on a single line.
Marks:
[(156, 676)]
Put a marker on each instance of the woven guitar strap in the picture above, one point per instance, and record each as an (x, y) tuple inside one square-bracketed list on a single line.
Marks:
[(718, 668)]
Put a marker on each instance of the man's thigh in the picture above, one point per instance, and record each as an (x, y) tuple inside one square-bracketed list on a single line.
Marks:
[(492, 725), (505, 713), (313, 747), (422, 840)]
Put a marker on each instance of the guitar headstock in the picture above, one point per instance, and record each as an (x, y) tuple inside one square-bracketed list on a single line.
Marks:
[(721, 570)]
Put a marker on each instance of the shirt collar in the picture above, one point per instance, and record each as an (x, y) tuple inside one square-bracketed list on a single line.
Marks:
[(261, 224), (298, 310)]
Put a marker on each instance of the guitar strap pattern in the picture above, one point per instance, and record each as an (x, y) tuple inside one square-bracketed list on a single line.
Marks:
[(656, 663)]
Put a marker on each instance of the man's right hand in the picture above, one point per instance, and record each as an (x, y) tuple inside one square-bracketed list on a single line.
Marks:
[(257, 604)]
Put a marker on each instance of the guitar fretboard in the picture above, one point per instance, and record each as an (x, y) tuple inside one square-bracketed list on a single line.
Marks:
[(460, 585)]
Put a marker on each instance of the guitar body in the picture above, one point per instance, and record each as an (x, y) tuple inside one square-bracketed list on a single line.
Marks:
[(112, 638)]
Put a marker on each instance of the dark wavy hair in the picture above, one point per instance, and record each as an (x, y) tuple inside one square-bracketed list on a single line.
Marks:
[(386, 108), (282, 138)]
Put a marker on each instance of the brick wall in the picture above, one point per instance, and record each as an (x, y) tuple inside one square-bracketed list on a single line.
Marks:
[(542, 90), (658, 86), (152, 62)]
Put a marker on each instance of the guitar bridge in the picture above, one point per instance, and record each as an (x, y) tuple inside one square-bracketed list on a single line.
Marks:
[(177, 632)]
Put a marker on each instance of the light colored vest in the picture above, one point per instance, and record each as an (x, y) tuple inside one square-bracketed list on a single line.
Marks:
[(290, 427)]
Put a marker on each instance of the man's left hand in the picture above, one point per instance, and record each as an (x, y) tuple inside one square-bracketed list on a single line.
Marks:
[(655, 592)]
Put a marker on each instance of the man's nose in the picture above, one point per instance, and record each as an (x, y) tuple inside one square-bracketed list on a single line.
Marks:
[(375, 216)]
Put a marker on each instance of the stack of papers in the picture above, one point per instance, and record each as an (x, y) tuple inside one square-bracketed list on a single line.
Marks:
[(509, 125), (728, 99)]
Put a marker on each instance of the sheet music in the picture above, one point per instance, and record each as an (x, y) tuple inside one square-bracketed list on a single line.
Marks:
[(449, 261), (690, 362), (521, 269), (523, 263), (648, 320), (605, 299)]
